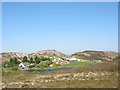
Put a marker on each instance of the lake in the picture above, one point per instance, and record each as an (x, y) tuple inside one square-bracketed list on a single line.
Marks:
[(48, 70)]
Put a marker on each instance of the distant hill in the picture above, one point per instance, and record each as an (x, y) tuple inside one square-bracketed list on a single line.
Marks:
[(86, 55), (19, 56), (48, 52), (6, 56), (96, 55)]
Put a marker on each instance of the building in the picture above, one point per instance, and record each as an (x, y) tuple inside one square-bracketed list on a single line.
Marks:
[(71, 59), (24, 65)]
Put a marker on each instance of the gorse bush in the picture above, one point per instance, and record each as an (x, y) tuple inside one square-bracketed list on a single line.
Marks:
[(57, 64)]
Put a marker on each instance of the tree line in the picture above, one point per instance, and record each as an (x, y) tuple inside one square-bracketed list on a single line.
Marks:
[(15, 62)]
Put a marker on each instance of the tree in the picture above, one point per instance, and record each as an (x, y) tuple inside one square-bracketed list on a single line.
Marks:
[(37, 60), (14, 61), (31, 60), (11, 60), (7, 64), (24, 59)]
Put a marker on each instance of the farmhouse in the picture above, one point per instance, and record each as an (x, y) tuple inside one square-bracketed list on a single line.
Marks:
[(72, 59), (24, 65)]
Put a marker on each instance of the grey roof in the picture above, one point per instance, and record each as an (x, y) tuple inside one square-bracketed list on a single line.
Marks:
[(25, 63)]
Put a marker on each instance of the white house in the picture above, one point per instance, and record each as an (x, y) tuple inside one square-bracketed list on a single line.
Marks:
[(78, 60), (71, 59), (51, 57), (51, 65), (25, 64)]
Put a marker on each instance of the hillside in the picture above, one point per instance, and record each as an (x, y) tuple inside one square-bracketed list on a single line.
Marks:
[(48, 52), (85, 55), (104, 75), (96, 55), (19, 56), (79, 75), (6, 56)]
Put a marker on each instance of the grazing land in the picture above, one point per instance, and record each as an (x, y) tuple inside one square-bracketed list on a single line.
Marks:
[(95, 70), (102, 75), (75, 64)]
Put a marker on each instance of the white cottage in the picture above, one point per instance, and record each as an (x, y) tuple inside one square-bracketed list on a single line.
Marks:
[(71, 59), (51, 65), (25, 64)]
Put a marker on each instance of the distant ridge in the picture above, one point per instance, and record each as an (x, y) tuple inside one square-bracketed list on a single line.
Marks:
[(97, 55), (6, 56), (86, 55), (48, 52)]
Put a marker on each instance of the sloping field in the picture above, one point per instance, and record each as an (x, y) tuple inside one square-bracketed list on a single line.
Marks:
[(104, 75)]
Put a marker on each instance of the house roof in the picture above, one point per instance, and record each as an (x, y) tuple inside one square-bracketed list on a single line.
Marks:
[(25, 63)]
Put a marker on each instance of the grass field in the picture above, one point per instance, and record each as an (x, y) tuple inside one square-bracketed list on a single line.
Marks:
[(103, 75), (73, 64)]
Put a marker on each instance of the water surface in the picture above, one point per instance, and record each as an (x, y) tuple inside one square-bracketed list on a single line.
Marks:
[(48, 70)]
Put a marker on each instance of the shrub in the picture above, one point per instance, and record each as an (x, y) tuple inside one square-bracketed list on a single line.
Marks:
[(117, 58), (31, 66), (42, 64), (57, 64), (14, 68), (48, 62), (7, 64)]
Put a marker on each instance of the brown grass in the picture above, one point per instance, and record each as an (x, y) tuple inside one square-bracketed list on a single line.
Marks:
[(104, 75)]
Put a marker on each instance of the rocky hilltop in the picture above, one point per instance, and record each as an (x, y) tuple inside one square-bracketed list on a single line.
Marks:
[(96, 55), (48, 52)]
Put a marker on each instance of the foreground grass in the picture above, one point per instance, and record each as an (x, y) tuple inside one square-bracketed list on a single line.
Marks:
[(102, 75)]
